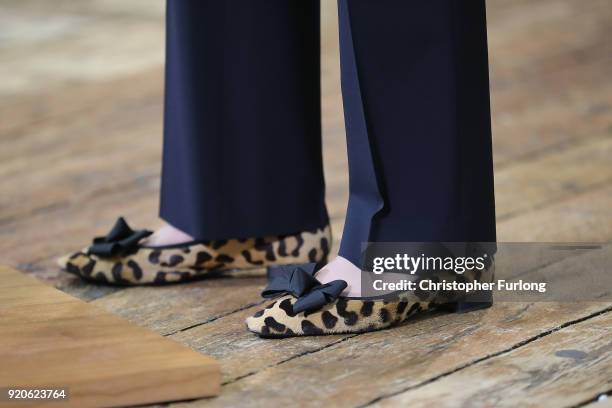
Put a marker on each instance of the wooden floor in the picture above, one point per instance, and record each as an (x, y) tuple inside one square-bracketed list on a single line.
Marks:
[(80, 144), (95, 357)]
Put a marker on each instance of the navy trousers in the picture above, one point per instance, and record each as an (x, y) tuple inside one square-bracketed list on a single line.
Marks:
[(242, 134)]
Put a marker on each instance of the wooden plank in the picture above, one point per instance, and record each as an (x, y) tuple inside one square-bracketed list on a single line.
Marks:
[(563, 369), (546, 67), (46, 47), (33, 244), (168, 309), (553, 177), (585, 218), (87, 163), (528, 129), (227, 340), (360, 369), (74, 101), (50, 339)]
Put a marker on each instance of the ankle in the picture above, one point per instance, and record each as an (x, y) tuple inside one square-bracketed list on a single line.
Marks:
[(341, 268), (168, 235)]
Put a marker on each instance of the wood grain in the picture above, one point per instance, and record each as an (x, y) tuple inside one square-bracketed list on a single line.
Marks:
[(359, 369), (52, 340), (562, 369), (173, 308)]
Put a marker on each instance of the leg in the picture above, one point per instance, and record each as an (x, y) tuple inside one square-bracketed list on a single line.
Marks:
[(416, 96), (418, 76), (242, 146), (242, 167)]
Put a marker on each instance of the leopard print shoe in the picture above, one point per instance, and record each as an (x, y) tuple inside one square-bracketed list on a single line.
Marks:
[(286, 317), (120, 259)]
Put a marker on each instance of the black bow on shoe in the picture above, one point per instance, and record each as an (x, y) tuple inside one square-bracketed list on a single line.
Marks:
[(299, 281), (121, 240)]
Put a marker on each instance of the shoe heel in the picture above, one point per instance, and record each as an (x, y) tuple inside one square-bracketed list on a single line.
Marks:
[(475, 301)]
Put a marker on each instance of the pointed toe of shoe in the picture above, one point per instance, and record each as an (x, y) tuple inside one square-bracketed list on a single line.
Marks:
[(79, 264), (253, 325), (257, 324), (73, 258), (62, 261), (274, 321)]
